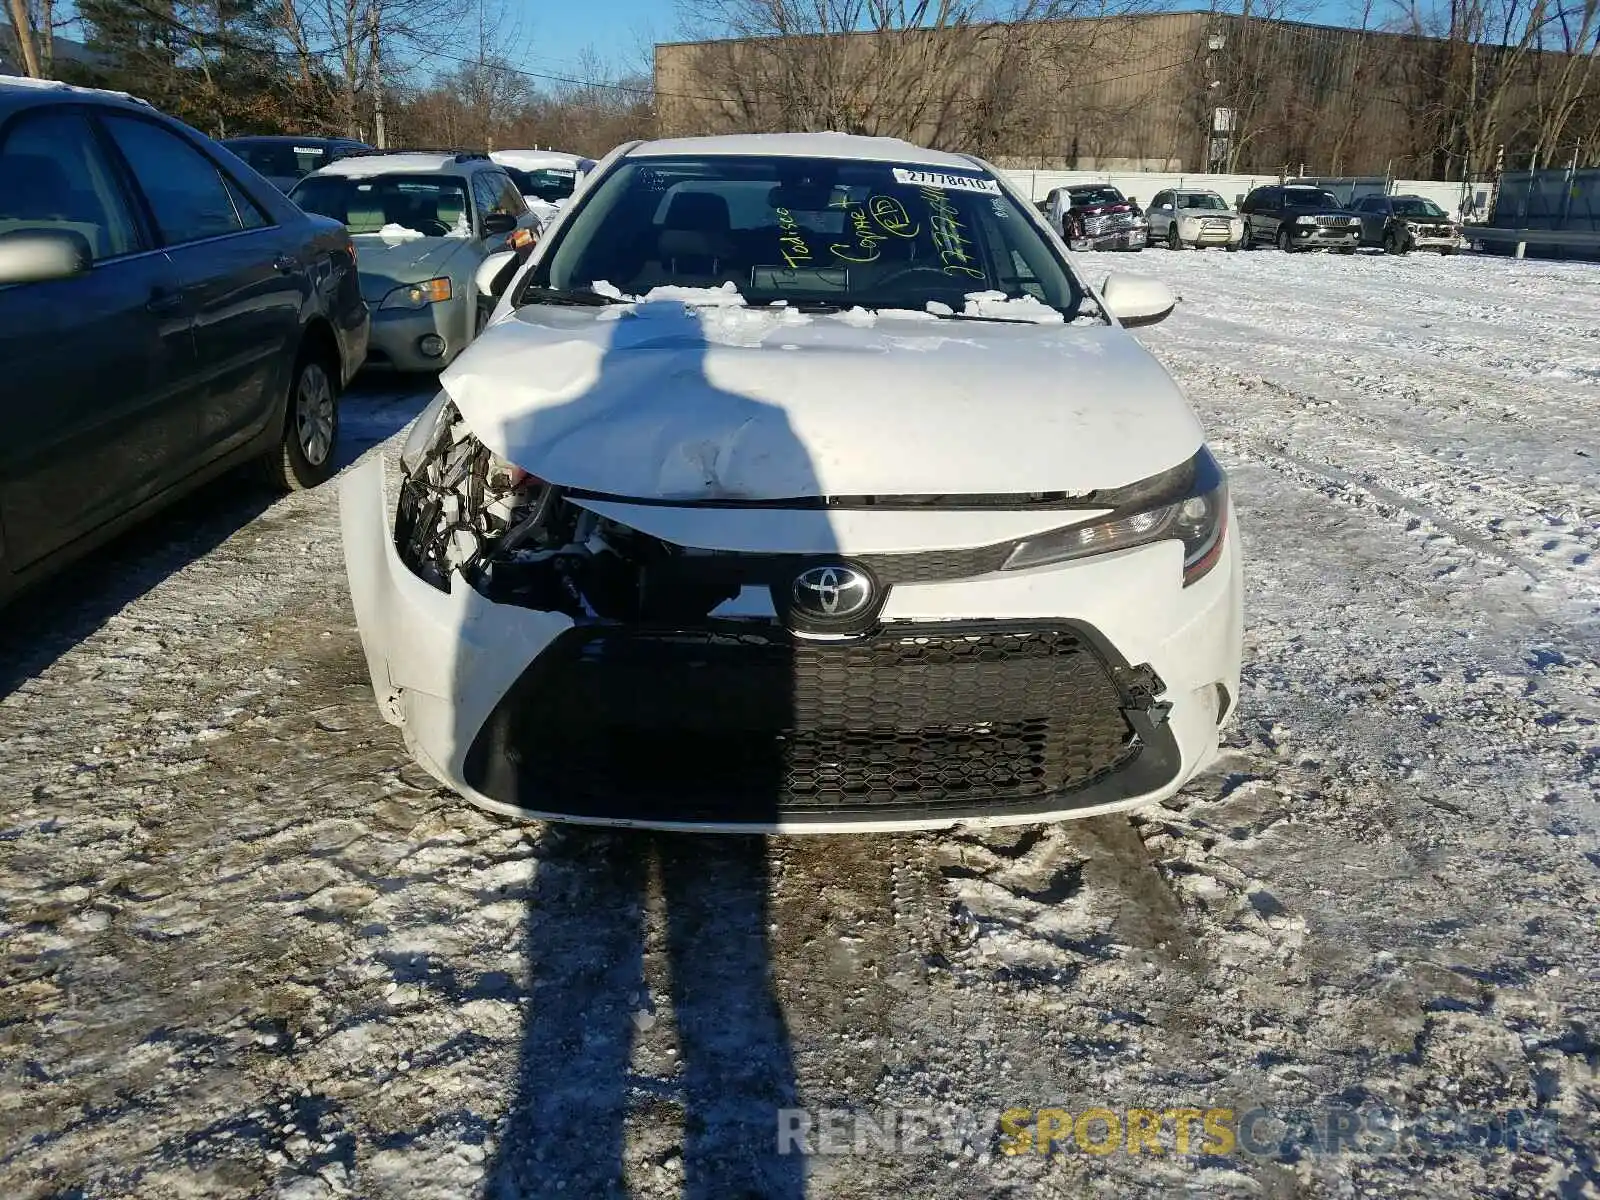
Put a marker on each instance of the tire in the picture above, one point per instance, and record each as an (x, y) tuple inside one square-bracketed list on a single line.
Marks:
[(1446, 251), (304, 457), (1174, 242), (1285, 242)]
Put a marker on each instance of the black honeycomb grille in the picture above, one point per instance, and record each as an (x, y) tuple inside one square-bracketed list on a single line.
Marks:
[(756, 727)]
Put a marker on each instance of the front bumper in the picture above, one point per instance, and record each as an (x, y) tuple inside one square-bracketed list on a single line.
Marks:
[(1326, 237), (1008, 697), (1435, 241), (396, 332), (1135, 238), (1211, 234)]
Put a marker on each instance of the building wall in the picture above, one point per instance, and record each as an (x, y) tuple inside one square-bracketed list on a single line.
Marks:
[(1112, 94)]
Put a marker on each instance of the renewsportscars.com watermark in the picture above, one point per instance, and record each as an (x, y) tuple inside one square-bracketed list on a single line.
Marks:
[(1183, 1132)]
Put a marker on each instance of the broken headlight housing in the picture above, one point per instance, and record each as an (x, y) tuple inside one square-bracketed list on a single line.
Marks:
[(1188, 504), (515, 539)]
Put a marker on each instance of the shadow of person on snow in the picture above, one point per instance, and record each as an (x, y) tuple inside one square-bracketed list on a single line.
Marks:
[(674, 715)]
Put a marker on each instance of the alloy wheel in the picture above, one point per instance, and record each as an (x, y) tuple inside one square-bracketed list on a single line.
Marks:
[(314, 413)]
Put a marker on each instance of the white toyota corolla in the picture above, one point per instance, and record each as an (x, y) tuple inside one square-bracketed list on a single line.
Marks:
[(802, 483)]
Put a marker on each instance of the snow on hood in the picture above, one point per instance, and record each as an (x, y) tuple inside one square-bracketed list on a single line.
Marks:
[(386, 262), (667, 401)]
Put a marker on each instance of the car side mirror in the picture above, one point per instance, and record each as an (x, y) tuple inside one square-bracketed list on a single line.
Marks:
[(43, 255), (498, 224), (495, 272), (1136, 300)]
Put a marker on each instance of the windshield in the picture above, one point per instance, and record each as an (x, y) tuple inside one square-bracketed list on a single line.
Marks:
[(1100, 195), (430, 205), (1310, 198), (1209, 201), (834, 233), (282, 159), (1416, 206), (549, 184)]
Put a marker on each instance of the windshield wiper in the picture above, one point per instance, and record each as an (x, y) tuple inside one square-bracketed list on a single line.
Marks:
[(962, 316), (576, 297)]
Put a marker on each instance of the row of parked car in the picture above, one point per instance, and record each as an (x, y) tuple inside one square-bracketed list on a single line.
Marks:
[(1289, 216), (174, 307)]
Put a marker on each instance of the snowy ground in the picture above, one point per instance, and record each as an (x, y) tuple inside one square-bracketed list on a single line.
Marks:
[(248, 949)]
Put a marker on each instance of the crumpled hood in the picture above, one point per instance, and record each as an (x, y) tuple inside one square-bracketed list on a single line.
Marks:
[(664, 402), (384, 264)]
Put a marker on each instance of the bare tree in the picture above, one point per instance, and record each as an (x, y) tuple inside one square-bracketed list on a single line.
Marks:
[(989, 76), (344, 48)]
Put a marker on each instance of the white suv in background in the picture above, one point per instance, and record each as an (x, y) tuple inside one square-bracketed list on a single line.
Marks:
[(1182, 218)]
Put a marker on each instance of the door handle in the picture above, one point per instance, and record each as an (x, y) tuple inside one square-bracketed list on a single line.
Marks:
[(163, 302), (284, 264)]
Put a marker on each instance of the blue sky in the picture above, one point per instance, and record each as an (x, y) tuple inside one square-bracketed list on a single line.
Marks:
[(555, 35)]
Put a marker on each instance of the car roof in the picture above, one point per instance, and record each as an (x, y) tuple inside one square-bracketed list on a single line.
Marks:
[(805, 145), (311, 139), (536, 160), (17, 91), (1194, 192), (405, 162)]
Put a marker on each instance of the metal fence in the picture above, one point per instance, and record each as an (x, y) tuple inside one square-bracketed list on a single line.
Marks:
[(1549, 200), (1566, 201)]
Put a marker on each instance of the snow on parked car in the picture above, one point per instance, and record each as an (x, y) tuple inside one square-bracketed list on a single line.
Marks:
[(799, 482), (423, 222), (546, 178)]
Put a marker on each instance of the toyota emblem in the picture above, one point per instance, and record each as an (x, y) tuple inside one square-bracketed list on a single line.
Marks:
[(832, 593)]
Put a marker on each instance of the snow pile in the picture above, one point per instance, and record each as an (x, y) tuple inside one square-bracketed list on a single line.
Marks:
[(394, 233), (1010, 308)]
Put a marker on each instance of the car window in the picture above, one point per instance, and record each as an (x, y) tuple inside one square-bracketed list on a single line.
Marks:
[(1203, 201), (185, 189), (1416, 206), (285, 160), (1096, 195), (54, 176), (1309, 197), (247, 210), (496, 194), (806, 231), (549, 183), (431, 205), (1162, 200), (511, 200)]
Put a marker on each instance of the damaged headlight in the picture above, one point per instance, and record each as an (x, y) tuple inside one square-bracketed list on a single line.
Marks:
[(515, 539), (423, 433), (1188, 504)]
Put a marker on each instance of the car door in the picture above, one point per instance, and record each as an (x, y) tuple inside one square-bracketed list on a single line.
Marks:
[(1268, 215), (240, 276), (1374, 219), (96, 366), (1162, 214), (1247, 210)]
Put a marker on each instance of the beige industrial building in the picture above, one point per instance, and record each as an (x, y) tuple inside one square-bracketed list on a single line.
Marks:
[(1164, 92)]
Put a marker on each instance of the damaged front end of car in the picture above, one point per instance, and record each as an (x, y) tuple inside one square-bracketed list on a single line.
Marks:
[(516, 539)]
